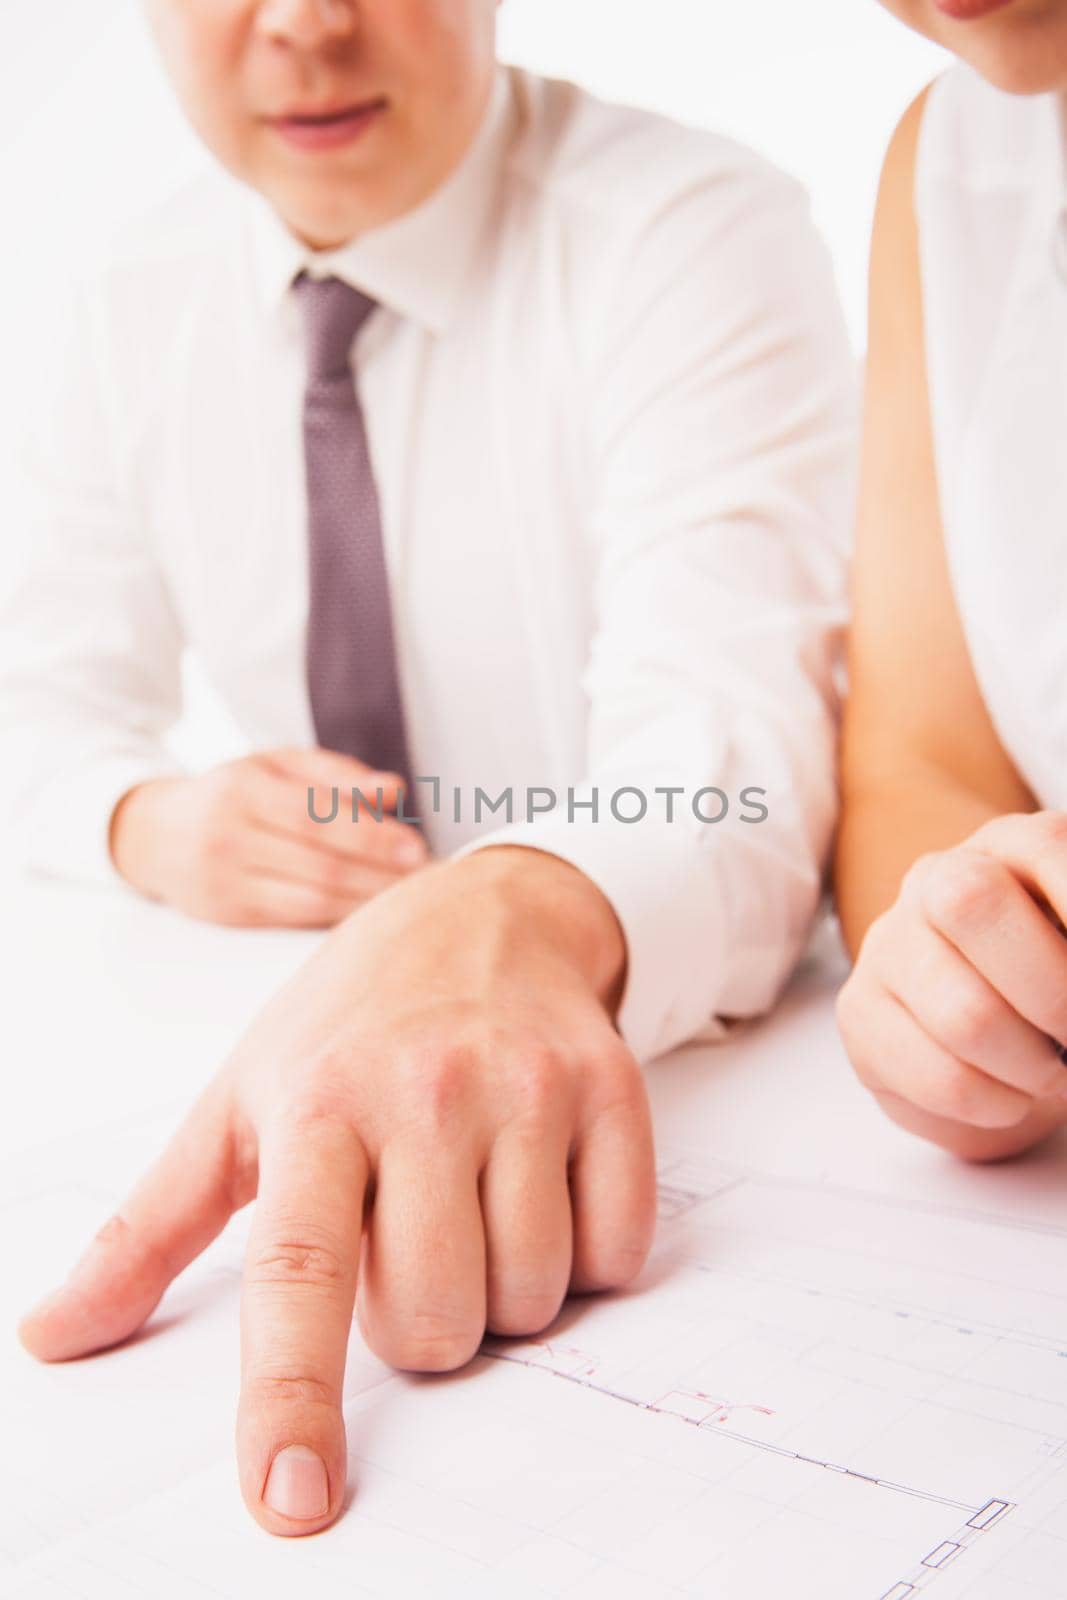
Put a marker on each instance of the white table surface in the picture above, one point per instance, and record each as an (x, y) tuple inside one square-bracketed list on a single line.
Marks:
[(117, 1012)]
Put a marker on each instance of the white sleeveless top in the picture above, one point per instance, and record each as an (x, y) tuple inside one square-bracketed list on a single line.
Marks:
[(991, 202)]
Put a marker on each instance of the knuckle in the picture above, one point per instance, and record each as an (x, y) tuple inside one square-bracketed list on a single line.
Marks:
[(322, 908), (1050, 829), (303, 1389), (619, 1063), (114, 1234), (518, 1311), (857, 1008), (222, 795), (919, 873), (866, 1073), (432, 1342), (299, 1262), (857, 1049), (966, 890), (883, 936), (242, 912), (138, 1258), (316, 1105), (215, 854), (956, 1095), (538, 1086), (229, 781), (333, 874), (243, 1178), (438, 1083), (617, 1264), (620, 1081), (966, 1018), (213, 845), (857, 1042), (313, 1113)]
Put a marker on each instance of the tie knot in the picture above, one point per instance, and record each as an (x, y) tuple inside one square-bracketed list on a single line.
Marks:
[(333, 314)]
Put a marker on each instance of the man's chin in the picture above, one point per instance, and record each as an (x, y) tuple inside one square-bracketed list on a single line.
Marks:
[(330, 209), (325, 226)]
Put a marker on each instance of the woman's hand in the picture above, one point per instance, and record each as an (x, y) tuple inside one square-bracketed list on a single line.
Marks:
[(956, 1008)]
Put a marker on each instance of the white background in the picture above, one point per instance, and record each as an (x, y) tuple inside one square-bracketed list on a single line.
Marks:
[(89, 133)]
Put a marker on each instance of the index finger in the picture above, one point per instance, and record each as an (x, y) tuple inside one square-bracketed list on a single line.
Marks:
[(296, 1314)]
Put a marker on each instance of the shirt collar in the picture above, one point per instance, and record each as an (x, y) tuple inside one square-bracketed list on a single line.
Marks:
[(416, 265)]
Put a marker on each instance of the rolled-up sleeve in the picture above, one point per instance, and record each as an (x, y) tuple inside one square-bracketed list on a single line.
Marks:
[(90, 648), (723, 415)]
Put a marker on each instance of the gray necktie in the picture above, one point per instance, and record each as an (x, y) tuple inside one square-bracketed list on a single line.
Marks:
[(351, 659)]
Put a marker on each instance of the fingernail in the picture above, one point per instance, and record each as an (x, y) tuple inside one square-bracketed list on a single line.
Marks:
[(297, 1485)]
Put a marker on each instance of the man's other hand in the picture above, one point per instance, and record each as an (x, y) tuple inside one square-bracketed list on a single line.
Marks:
[(239, 844)]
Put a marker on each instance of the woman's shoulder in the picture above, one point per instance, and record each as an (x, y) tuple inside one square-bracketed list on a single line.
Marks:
[(972, 176)]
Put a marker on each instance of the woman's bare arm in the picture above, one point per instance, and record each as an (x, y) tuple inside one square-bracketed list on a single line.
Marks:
[(922, 765), (955, 991)]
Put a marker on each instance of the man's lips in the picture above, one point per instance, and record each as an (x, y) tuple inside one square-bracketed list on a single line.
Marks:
[(327, 130)]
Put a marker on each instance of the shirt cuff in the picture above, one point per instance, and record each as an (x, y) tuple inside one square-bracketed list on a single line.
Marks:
[(648, 873), (66, 825)]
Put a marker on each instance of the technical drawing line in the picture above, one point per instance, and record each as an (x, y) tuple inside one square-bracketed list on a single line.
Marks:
[(730, 1433), (979, 1518)]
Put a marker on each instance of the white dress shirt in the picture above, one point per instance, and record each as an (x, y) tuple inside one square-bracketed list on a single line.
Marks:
[(610, 404)]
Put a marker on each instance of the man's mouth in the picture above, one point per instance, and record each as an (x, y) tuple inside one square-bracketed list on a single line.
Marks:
[(327, 129)]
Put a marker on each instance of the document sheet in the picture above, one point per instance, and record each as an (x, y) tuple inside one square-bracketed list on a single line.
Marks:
[(814, 1392)]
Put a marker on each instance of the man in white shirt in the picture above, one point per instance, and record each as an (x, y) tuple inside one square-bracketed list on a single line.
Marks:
[(606, 396)]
